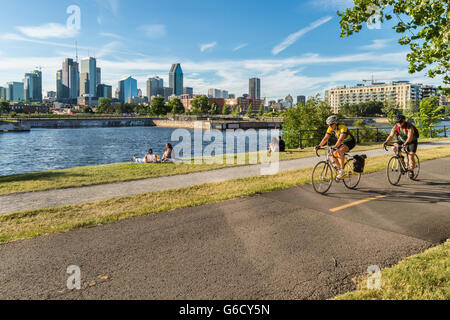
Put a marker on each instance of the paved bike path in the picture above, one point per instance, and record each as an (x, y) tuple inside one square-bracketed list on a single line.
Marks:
[(280, 245), (61, 197)]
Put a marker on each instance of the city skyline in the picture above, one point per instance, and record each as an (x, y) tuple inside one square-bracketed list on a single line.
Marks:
[(302, 55)]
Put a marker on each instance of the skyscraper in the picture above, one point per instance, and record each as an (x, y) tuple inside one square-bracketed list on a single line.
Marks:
[(15, 91), (33, 86), (176, 79), (2, 94), (254, 88), (154, 85), (127, 89), (188, 90), (99, 77), (70, 80), (59, 86), (88, 81)]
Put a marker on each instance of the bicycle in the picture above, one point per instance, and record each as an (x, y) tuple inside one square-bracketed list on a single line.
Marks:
[(397, 166), (324, 173)]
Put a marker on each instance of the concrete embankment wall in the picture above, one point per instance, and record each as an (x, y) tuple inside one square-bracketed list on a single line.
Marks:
[(13, 126)]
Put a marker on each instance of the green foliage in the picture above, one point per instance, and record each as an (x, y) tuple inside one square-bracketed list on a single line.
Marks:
[(249, 110), (308, 120), (87, 109), (200, 105), (225, 109), (390, 110), (176, 107), (426, 29), (427, 117), (159, 107), (364, 109), (261, 110), (5, 107), (105, 106), (364, 133), (214, 108)]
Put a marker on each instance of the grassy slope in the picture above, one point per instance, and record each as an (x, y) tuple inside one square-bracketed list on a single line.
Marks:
[(29, 224), (425, 276), (84, 176)]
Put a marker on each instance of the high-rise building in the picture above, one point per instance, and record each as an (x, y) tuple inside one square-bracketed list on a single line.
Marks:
[(225, 94), (254, 88), (401, 92), (214, 93), (88, 81), (188, 90), (127, 89), (2, 94), (59, 86), (33, 86), (166, 93), (176, 79), (301, 100), (154, 85), (70, 80), (99, 76), (15, 91), (104, 91), (429, 91)]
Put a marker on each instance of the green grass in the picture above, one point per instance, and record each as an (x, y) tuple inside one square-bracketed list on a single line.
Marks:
[(425, 276), (28, 224)]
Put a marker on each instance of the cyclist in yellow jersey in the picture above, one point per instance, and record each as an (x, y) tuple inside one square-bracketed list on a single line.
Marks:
[(346, 142)]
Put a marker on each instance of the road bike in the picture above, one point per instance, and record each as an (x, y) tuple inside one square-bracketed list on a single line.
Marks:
[(398, 165), (325, 172)]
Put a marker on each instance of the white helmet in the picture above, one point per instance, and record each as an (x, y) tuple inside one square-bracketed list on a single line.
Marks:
[(332, 120)]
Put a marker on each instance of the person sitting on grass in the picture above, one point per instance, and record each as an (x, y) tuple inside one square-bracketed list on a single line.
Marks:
[(150, 157), (167, 157)]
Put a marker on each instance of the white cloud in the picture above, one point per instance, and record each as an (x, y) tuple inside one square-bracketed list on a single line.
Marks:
[(241, 46), (377, 44), (331, 4), (49, 30), (110, 5), (292, 38), (207, 46), (154, 31), (111, 35)]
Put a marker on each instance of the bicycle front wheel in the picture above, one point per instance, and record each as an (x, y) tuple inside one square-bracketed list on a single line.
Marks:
[(322, 177), (394, 171), (351, 179), (416, 168)]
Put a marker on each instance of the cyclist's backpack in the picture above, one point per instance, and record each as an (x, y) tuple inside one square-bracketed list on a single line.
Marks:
[(359, 163)]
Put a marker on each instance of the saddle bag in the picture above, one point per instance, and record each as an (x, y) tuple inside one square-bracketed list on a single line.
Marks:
[(359, 163)]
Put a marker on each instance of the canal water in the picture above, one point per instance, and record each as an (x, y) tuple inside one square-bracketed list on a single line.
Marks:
[(50, 149)]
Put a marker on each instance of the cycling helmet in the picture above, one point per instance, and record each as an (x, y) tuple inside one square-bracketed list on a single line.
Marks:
[(332, 120), (400, 118)]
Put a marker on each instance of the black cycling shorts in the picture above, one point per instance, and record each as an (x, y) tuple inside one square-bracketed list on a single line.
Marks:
[(350, 144), (412, 146)]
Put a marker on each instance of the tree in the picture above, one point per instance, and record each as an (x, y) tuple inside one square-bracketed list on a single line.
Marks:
[(200, 105), (249, 110), (214, 108), (309, 121), (390, 110), (5, 107), (424, 25), (225, 109), (428, 115), (158, 107), (176, 106), (105, 106), (261, 110), (87, 109)]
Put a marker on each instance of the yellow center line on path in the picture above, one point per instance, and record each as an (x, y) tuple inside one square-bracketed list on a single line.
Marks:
[(356, 203)]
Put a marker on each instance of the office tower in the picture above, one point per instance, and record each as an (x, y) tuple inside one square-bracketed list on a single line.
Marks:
[(188, 90), (154, 85), (127, 89), (33, 86), (59, 86), (255, 88), (2, 94), (15, 91), (225, 94), (301, 100), (176, 79), (99, 77), (70, 80), (88, 81), (104, 91), (166, 93)]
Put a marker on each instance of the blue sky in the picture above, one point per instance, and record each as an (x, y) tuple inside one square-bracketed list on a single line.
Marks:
[(293, 46)]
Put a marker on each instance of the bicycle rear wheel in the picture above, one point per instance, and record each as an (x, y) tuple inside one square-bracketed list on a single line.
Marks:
[(322, 177), (351, 179), (394, 171)]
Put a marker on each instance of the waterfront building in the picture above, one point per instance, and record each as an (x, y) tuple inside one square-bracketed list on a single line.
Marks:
[(88, 78), (244, 102), (429, 91), (127, 88), (401, 92), (186, 100), (154, 86), (15, 91), (33, 86), (176, 79), (2, 94), (188, 90), (255, 88), (104, 91), (301, 100)]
